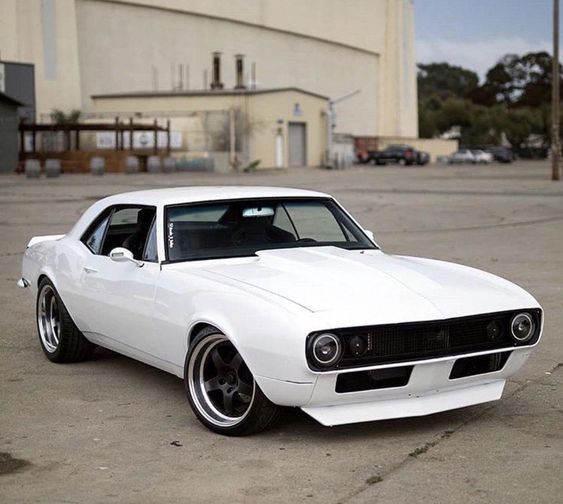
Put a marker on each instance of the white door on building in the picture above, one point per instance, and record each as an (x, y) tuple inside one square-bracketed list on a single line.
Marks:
[(297, 143)]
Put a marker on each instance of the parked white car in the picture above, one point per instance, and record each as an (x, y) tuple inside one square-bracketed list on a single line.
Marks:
[(462, 156), (482, 157), (266, 297)]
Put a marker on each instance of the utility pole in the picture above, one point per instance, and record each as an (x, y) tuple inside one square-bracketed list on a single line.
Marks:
[(331, 123), (555, 147)]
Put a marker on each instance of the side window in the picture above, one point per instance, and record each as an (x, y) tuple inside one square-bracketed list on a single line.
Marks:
[(94, 240), (150, 254), (129, 228)]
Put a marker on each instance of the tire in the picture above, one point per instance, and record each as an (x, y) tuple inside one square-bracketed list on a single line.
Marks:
[(59, 337), (221, 389)]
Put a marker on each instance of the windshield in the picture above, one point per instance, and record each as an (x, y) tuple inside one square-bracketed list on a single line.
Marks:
[(243, 227)]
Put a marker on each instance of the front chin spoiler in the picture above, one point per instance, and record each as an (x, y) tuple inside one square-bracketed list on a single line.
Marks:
[(421, 405)]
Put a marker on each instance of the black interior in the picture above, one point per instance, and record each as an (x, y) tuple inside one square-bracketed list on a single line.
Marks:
[(132, 236), (231, 230), (116, 236), (194, 236)]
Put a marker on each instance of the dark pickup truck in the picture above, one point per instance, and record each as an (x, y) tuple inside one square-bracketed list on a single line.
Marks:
[(401, 154)]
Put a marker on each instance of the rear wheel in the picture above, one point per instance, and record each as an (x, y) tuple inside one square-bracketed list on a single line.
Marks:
[(221, 389), (59, 337)]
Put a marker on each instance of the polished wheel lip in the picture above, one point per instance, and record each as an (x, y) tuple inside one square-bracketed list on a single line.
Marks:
[(196, 384), (49, 319)]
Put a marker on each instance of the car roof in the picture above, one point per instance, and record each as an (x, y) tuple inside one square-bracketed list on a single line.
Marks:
[(194, 194)]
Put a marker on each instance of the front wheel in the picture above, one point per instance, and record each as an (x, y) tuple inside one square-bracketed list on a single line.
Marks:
[(221, 389)]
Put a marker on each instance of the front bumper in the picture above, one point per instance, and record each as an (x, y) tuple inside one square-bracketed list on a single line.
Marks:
[(429, 390), (414, 405)]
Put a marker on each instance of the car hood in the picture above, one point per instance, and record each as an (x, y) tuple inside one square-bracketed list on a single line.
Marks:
[(322, 279)]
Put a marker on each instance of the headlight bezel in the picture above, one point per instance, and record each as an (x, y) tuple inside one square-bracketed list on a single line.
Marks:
[(321, 364), (531, 332)]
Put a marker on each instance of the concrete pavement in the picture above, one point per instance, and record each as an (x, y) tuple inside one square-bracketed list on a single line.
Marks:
[(115, 430)]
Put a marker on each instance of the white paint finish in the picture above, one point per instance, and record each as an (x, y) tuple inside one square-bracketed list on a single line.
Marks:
[(328, 279), (118, 299), (268, 304), (39, 239), (427, 404), (430, 375)]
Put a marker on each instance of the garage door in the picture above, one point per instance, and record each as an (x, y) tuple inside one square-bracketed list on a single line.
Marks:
[(297, 144)]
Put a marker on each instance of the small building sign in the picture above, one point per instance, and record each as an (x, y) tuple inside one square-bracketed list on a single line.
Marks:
[(297, 110), (141, 140)]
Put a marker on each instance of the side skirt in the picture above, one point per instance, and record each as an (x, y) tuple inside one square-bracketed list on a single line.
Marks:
[(135, 353)]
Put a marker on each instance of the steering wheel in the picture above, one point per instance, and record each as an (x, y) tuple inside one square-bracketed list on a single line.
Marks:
[(240, 236)]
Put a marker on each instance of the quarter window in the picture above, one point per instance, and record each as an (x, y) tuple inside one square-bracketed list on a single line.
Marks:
[(150, 254), (95, 239)]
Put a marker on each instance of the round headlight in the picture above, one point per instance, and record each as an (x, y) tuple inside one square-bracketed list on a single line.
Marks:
[(522, 327), (326, 349)]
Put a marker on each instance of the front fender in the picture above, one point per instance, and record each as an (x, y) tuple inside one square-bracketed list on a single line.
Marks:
[(270, 335), (270, 340)]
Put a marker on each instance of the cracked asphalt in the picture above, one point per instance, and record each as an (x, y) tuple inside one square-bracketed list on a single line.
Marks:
[(115, 430)]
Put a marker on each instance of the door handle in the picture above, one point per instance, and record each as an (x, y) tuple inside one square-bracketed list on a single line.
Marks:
[(89, 270)]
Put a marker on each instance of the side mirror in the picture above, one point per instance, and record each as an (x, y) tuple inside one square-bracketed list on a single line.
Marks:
[(120, 254), (369, 235)]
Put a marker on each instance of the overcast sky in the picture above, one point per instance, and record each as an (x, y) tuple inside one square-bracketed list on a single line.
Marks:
[(476, 33)]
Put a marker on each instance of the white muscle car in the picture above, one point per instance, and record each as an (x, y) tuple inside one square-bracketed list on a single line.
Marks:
[(266, 297)]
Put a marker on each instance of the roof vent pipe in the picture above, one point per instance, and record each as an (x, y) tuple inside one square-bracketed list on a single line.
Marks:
[(239, 67), (216, 81)]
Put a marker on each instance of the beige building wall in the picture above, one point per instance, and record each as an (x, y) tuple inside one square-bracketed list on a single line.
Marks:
[(265, 110), (265, 114), (331, 47), (282, 59), (44, 32)]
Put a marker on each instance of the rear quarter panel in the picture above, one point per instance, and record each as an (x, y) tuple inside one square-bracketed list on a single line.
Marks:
[(61, 261)]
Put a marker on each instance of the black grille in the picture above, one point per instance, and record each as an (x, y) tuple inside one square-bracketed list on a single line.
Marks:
[(424, 340), (356, 381), (480, 364)]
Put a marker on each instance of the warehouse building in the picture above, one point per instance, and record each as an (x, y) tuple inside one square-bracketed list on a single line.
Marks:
[(97, 55), (272, 127), (8, 133)]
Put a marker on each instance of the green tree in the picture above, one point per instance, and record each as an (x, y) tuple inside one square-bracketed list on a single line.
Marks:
[(60, 117), (445, 81), (517, 81)]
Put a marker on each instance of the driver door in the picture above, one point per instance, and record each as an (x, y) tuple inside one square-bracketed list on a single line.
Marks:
[(120, 295)]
